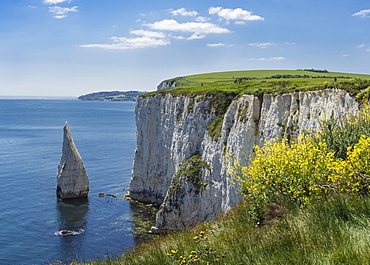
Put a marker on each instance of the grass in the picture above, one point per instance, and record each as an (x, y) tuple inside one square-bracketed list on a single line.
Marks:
[(195, 80), (330, 232), (255, 82)]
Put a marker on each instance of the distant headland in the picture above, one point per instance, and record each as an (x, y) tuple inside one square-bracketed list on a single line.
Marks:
[(112, 96)]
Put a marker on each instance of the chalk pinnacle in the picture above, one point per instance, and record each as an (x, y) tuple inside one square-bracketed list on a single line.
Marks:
[(72, 180)]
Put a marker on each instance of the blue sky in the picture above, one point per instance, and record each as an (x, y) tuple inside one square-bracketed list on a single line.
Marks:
[(74, 47)]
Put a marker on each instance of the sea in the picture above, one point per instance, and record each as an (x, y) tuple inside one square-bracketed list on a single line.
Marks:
[(31, 134)]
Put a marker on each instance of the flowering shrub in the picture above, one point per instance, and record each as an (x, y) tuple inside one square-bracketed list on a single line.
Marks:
[(279, 169), (353, 174), (343, 133)]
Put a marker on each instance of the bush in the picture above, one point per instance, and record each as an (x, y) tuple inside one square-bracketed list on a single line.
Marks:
[(343, 133), (353, 174), (280, 170)]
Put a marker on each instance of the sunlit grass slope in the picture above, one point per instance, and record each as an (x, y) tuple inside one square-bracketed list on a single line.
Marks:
[(262, 82), (262, 74), (333, 232)]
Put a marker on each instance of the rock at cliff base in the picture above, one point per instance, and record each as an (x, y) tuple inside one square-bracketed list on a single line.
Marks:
[(72, 180)]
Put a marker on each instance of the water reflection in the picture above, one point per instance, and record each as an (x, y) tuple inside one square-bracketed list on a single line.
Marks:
[(72, 217)]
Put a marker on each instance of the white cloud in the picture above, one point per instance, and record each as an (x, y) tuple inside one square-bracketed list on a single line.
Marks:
[(234, 14), (360, 46), (184, 13), (216, 45), (261, 45), (61, 12), (179, 37), (150, 34), (202, 19), (197, 36), (219, 45), (346, 55), (267, 59), (193, 27), (362, 13), (54, 2), (32, 6), (60, 16), (123, 43), (280, 58), (368, 50)]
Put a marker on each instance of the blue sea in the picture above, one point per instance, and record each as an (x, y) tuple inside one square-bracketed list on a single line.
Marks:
[(31, 134)]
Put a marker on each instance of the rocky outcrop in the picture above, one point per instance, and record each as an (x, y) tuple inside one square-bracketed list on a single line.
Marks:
[(167, 84), (72, 180), (174, 132)]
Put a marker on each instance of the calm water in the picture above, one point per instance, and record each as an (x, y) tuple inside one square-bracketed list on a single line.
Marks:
[(30, 149)]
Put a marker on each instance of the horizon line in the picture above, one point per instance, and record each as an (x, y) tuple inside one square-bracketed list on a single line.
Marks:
[(39, 97)]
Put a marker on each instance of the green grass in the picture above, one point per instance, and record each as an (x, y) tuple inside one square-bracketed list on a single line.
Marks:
[(195, 80), (331, 232), (260, 82)]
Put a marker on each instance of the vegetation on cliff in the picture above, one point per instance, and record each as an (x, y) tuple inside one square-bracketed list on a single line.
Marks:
[(190, 172)]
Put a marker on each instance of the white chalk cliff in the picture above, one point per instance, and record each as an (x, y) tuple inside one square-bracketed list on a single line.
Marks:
[(173, 138), (72, 179)]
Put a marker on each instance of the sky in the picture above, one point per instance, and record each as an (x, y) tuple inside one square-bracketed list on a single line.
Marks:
[(67, 48)]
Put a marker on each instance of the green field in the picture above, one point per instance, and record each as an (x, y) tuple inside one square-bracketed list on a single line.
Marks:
[(266, 82), (194, 80), (262, 74)]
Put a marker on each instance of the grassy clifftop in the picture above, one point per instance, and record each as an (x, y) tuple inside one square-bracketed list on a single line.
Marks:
[(265, 82)]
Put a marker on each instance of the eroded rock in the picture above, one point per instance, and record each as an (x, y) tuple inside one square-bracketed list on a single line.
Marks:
[(72, 179)]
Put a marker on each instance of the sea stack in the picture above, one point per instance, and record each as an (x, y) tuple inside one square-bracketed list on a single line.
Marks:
[(72, 180)]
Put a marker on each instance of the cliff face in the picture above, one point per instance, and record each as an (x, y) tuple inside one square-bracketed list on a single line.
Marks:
[(180, 160)]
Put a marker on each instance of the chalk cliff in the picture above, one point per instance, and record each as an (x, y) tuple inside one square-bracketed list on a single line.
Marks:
[(72, 180), (182, 144)]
